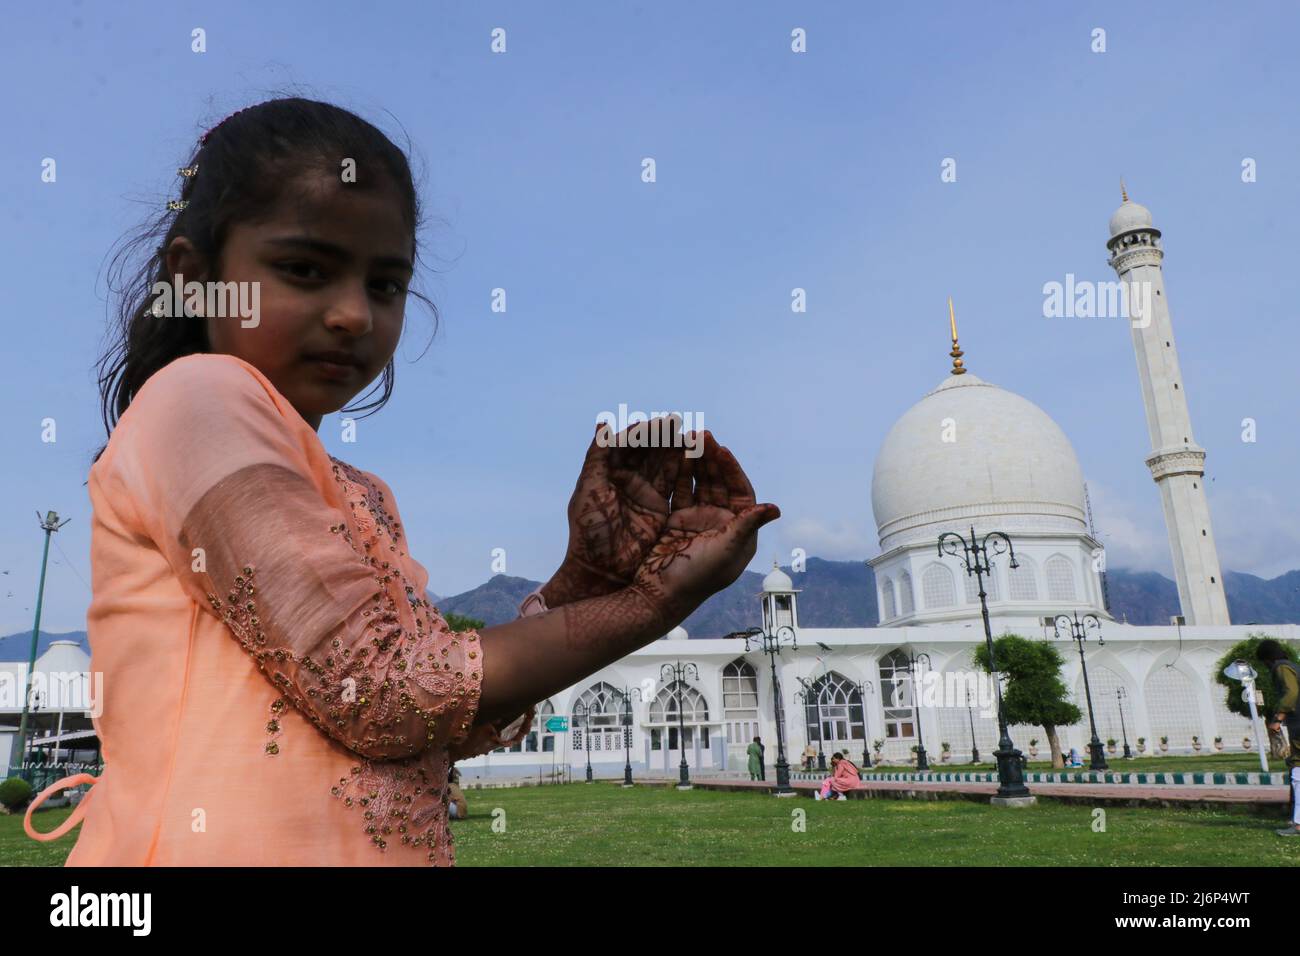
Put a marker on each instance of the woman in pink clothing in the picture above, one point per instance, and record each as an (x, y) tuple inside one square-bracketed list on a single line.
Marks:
[(844, 777), (277, 688)]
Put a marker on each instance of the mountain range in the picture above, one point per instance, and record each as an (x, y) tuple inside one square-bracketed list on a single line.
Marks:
[(839, 594), (843, 594)]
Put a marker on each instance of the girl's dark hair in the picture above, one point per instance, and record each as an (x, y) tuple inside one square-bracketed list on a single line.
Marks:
[(1270, 650), (246, 165)]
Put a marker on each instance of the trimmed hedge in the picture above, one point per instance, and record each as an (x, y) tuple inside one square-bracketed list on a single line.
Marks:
[(15, 792)]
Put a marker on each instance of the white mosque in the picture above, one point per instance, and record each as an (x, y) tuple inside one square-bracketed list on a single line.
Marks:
[(968, 455)]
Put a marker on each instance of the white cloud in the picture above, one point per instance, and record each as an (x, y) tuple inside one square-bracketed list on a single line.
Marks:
[(1133, 537), (838, 542), (1255, 531)]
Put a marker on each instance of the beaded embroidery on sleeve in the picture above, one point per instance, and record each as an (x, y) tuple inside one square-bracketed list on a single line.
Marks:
[(401, 798)]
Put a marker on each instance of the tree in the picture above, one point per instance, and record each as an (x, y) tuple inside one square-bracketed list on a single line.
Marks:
[(459, 622), (1246, 651), (1034, 692)]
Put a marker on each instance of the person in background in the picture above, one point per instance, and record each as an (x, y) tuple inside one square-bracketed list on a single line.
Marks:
[(456, 808), (1286, 678), (755, 752), (844, 777), (809, 755), (762, 759)]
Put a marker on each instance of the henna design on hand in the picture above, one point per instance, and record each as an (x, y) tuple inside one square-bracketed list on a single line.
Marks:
[(617, 513), (673, 544), (606, 622)]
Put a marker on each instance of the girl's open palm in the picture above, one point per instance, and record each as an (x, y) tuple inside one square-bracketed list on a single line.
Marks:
[(619, 509), (711, 534)]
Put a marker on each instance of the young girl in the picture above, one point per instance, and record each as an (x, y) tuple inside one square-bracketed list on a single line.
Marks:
[(277, 688)]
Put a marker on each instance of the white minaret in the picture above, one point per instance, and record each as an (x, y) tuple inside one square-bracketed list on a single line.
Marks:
[(1177, 463)]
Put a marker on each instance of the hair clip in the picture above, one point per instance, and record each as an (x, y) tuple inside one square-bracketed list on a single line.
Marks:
[(177, 204), (187, 172)]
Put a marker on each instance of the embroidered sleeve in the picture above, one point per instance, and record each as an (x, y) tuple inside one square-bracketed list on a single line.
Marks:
[(223, 486)]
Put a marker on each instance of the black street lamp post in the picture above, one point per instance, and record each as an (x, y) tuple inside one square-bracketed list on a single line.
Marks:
[(863, 686), (1079, 631), (770, 644), (1120, 694), (678, 673), (974, 556), (974, 750), (627, 731), (922, 760), (581, 708)]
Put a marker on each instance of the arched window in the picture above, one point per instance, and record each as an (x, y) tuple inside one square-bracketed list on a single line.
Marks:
[(895, 694), (599, 710), (740, 701), (663, 720), (842, 719), (887, 612), (1060, 578), (905, 593), (937, 588), (1024, 581)]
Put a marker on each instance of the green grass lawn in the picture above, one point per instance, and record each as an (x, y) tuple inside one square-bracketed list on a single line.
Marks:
[(601, 824)]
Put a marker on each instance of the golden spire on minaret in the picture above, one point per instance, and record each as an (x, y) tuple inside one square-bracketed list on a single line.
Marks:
[(1122, 191), (956, 353)]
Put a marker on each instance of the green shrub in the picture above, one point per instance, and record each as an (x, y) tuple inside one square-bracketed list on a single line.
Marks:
[(1245, 650), (15, 792)]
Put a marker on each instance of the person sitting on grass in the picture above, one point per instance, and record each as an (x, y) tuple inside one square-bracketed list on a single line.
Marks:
[(844, 777)]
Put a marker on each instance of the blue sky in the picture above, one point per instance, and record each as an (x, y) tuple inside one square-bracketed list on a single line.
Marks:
[(775, 170)]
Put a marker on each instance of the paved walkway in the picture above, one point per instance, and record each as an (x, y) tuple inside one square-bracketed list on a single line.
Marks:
[(1270, 797)]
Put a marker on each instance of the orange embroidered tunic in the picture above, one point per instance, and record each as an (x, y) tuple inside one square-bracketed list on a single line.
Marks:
[(277, 690)]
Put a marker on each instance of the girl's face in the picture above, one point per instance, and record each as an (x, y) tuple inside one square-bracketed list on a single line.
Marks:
[(332, 270)]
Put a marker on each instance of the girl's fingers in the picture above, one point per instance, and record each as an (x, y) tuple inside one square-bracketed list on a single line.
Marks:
[(683, 490), (739, 490), (596, 465), (710, 487), (659, 467), (751, 519), (649, 449)]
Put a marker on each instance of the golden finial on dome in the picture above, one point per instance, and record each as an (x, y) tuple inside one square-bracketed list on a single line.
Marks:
[(1122, 191), (956, 353)]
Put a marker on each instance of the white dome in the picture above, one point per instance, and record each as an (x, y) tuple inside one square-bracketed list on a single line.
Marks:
[(1008, 467), (1129, 216), (777, 580), (677, 634)]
